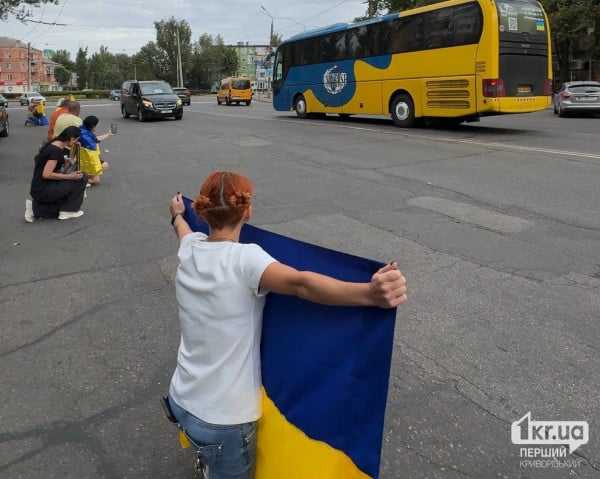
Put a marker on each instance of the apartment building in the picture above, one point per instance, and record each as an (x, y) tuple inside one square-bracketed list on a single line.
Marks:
[(14, 72)]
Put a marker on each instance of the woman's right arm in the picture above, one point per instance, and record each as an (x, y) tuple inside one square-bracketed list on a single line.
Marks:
[(49, 174), (387, 288)]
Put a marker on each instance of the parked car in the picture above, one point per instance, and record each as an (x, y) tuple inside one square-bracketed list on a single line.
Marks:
[(577, 96), (184, 94), (26, 98), (115, 95), (3, 101), (3, 121), (150, 99)]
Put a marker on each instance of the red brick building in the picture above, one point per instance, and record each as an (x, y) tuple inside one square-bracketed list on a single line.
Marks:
[(13, 68)]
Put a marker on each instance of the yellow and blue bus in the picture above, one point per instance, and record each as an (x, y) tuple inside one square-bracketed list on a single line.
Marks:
[(458, 59)]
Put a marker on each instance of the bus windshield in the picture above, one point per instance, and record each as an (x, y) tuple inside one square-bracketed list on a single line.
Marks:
[(521, 17)]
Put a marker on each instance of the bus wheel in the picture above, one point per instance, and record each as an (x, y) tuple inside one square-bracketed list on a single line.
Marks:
[(300, 107), (403, 111)]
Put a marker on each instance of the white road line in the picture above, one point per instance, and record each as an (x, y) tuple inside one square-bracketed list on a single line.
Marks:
[(441, 139)]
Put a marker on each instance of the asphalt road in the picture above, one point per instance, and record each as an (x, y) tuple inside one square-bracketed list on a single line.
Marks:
[(496, 226)]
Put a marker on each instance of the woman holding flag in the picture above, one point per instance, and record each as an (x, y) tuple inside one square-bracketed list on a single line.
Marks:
[(221, 284)]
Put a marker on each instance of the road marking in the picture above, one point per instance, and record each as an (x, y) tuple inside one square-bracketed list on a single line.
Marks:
[(467, 213), (439, 139)]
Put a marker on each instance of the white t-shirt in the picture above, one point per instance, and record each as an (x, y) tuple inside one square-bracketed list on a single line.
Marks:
[(218, 378)]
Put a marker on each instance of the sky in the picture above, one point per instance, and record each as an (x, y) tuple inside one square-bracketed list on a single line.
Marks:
[(125, 25)]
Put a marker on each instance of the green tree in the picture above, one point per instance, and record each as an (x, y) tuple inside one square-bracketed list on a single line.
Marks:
[(276, 40), (152, 63), (62, 72), (21, 9), (229, 61), (213, 60), (62, 75), (82, 67), (63, 57), (166, 41), (570, 22)]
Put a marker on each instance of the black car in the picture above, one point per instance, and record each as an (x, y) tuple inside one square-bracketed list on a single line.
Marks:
[(184, 94), (3, 121), (150, 99)]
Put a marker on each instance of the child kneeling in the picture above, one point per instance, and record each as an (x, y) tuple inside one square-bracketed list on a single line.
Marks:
[(89, 155)]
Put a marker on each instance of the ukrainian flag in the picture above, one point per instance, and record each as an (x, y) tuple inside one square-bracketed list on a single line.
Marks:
[(325, 370)]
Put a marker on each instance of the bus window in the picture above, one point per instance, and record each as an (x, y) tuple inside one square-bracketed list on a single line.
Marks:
[(340, 46), (406, 34), (327, 48), (468, 24), (521, 17), (278, 68), (359, 43), (438, 25)]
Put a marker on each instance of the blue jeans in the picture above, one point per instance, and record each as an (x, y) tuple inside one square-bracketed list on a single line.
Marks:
[(229, 451)]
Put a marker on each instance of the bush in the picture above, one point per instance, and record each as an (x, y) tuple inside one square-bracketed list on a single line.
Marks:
[(78, 94)]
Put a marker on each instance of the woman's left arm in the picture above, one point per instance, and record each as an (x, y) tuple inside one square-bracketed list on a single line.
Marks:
[(177, 208)]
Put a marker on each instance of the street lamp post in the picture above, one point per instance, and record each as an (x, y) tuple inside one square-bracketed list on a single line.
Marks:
[(590, 32), (179, 62), (268, 14)]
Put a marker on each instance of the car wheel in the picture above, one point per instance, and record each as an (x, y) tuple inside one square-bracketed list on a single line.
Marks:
[(124, 112), (300, 107), (248, 102), (140, 115), (403, 111), (4, 133), (179, 117)]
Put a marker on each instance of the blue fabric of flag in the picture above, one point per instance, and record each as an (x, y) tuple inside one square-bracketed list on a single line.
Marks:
[(326, 368)]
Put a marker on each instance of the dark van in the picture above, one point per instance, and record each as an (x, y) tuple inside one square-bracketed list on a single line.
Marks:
[(150, 99)]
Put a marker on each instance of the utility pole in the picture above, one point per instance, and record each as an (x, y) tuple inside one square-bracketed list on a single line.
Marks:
[(268, 14), (590, 32), (29, 66), (179, 62), (135, 71)]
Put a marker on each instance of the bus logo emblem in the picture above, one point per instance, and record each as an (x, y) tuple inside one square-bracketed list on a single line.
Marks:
[(334, 80)]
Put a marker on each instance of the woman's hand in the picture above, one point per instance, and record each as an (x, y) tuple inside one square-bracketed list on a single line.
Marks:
[(76, 175), (177, 207), (388, 287)]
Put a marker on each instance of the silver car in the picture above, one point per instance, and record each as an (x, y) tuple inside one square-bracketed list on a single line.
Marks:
[(26, 98), (577, 97)]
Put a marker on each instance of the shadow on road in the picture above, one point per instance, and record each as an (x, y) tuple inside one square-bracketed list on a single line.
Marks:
[(429, 126)]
